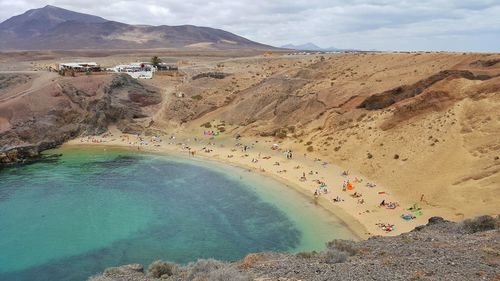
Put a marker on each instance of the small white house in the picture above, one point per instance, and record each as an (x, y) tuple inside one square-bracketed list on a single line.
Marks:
[(138, 70)]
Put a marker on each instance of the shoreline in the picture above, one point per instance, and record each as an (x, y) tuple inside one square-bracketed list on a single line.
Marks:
[(360, 218), (357, 229)]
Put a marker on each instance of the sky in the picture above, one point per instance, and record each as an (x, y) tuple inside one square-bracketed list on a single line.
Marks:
[(434, 25)]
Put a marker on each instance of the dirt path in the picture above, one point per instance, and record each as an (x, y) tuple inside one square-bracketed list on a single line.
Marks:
[(41, 80)]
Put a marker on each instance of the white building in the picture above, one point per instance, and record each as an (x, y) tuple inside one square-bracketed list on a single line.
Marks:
[(138, 70), (80, 66)]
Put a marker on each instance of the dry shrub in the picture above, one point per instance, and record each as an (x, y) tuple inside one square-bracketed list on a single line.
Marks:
[(331, 256), (307, 255), (347, 246), (206, 125), (158, 269), (482, 223), (250, 260)]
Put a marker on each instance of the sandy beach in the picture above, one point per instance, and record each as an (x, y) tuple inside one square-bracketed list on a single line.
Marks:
[(346, 194)]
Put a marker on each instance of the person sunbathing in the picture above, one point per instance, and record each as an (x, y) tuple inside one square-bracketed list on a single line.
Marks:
[(391, 205), (357, 195)]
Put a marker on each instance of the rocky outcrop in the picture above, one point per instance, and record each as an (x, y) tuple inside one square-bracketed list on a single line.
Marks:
[(485, 63), (7, 80), (79, 111), (215, 75), (390, 97), (440, 250)]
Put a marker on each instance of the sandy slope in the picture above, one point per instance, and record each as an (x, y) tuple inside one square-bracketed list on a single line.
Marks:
[(445, 139)]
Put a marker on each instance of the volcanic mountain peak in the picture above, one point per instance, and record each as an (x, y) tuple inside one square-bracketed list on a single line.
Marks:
[(57, 28), (41, 20)]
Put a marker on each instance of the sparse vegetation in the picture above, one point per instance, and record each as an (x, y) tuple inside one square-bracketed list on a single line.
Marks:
[(161, 269), (155, 61), (478, 224), (197, 97), (334, 256), (343, 245), (310, 149), (250, 260), (207, 125), (307, 255)]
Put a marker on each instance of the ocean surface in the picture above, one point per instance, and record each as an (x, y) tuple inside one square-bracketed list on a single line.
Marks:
[(69, 217)]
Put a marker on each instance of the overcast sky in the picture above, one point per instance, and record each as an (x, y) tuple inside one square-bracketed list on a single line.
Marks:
[(454, 25)]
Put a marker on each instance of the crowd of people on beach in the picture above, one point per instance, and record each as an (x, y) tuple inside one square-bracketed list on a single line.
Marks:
[(351, 185)]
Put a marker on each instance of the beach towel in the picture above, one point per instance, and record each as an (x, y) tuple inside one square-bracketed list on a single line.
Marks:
[(407, 217), (418, 213)]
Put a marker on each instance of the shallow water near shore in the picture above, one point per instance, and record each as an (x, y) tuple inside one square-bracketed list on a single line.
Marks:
[(92, 208)]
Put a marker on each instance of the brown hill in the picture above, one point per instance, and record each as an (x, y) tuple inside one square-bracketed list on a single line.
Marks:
[(417, 123), (59, 29)]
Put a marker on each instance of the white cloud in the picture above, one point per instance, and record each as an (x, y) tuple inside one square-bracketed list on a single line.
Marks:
[(363, 24)]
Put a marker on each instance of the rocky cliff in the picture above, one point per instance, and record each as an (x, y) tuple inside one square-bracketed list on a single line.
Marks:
[(69, 107)]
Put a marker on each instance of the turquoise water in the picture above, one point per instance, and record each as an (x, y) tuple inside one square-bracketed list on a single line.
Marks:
[(73, 216)]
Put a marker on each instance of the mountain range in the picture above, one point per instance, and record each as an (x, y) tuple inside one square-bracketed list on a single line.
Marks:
[(312, 47), (60, 29)]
